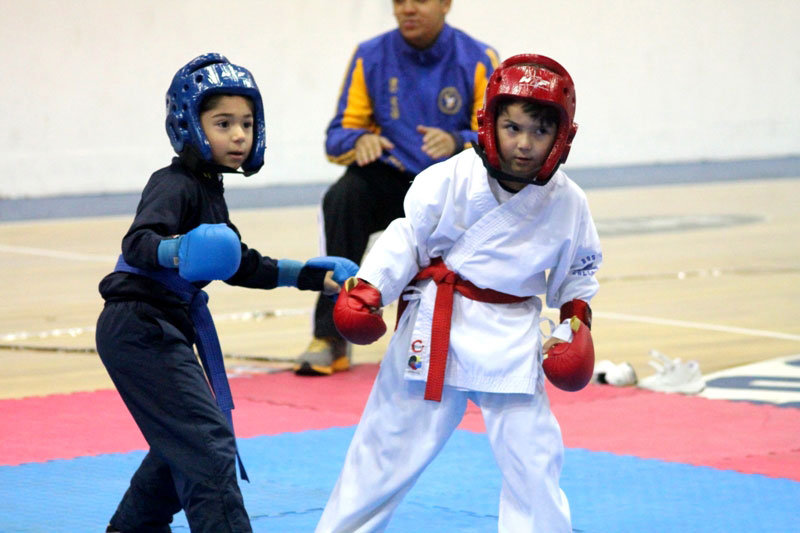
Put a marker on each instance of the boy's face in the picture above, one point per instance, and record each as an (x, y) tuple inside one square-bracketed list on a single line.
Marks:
[(420, 21), (229, 129), (524, 143)]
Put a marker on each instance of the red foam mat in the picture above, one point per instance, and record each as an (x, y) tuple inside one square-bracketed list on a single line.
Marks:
[(746, 437), (731, 435)]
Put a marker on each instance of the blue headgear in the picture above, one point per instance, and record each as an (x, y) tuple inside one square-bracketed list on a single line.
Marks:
[(202, 76)]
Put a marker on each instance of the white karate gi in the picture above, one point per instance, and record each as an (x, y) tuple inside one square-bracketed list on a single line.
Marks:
[(540, 240)]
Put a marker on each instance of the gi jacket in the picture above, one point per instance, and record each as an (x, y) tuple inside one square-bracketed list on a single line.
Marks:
[(541, 241)]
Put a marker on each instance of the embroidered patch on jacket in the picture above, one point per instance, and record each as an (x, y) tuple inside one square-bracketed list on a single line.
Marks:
[(449, 101), (588, 265), (414, 363)]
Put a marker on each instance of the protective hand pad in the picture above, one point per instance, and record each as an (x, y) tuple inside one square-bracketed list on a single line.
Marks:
[(569, 365), (357, 313), (342, 267), (209, 252)]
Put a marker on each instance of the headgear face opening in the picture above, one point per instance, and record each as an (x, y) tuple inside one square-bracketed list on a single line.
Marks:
[(203, 76), (537, 79)]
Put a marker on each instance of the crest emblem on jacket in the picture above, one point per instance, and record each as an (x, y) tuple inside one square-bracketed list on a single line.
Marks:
[(449, 100)]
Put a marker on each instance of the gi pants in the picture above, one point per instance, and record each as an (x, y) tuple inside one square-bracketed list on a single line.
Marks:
[(191, 464), (363, 201), (400, 433)]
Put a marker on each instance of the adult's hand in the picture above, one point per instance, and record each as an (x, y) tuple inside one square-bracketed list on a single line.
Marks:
[(369, 148), (436, 142)]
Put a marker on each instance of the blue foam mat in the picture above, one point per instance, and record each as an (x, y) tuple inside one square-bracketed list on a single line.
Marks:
[(292, 475)]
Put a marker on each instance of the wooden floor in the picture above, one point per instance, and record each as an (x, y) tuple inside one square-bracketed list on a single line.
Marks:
[(724, 291)]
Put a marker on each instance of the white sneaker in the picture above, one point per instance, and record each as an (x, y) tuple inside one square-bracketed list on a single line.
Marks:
[(609, 373), (673, 375)]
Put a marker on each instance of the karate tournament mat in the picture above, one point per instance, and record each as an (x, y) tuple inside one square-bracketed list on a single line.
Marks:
[(724, 461), (636, 460)]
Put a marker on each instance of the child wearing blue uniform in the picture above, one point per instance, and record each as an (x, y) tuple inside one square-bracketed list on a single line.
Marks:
[(155, 310)]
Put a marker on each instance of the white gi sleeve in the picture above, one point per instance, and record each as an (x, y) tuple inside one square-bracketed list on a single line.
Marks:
[(574, 276), (402, 250)]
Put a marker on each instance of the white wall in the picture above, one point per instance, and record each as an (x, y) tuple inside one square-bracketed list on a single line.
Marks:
[(657, 81)]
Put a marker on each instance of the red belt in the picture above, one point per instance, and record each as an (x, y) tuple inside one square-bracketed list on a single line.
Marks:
[(447, 282)]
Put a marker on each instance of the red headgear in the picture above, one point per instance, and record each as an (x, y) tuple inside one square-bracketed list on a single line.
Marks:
[(537, 79)]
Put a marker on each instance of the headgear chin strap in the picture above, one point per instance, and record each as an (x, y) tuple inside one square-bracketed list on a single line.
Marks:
[(193, 161), (537, 79), (203, 76), (498, 174)]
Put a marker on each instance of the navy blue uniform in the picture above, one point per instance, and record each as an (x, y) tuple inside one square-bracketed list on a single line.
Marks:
[(144, 338)]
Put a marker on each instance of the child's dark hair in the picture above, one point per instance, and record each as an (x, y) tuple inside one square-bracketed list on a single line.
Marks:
[(549, 115), (211, 101)]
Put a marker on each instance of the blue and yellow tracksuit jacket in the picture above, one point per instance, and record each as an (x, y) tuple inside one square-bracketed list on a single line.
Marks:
[(391, 88)]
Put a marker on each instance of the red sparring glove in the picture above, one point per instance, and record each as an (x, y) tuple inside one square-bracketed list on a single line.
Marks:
[(357, 313), (569, 365), (577, 308)]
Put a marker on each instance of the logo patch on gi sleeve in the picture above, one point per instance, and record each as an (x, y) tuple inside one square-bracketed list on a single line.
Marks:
[(450, 101)]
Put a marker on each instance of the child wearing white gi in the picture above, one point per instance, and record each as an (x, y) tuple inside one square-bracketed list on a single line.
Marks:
[(484, 233)]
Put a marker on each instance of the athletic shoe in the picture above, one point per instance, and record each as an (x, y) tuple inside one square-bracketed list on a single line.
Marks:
[(608, 373), (323, 357), (673, 375)]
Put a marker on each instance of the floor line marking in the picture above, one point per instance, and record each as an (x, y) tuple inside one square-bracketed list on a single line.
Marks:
[(25, 250), (275, 313), (242, 316), (679, 275), (698, 325)]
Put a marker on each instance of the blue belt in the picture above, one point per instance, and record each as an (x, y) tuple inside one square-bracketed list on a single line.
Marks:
[(206, 335)]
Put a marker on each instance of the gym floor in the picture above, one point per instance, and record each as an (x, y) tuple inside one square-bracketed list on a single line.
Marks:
[(705, 268)]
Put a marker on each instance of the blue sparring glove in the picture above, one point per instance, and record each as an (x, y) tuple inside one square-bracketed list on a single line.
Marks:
[(208, 252), (342, 267), (310, 275)]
